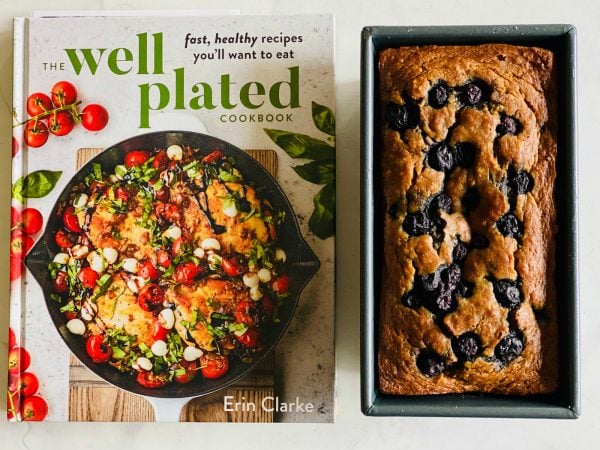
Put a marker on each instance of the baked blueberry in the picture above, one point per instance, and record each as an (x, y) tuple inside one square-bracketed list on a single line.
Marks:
[(509, 348), (442, 301), (438, 95), (402, 117), (474, 93), (508, 125), (411, 299), (465, 154), (479, 241), (430, 363), (460, 251), (465, 289), (416, 224), (441, 157), (466, 346), (451, 275), (430, 281), (471, 199), (507, 293), (509, 225), (394, 210), (520, 182), (441, 202)]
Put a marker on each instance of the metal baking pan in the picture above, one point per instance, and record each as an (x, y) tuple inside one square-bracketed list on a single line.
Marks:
[(563, 404)]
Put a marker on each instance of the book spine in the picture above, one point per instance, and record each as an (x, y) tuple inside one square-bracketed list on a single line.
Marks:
[(19, 113)]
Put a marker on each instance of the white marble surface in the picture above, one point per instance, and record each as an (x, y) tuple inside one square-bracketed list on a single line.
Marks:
[(352, 430)]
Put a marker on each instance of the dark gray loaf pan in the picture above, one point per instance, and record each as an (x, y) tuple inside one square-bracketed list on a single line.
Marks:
[(565, 402)]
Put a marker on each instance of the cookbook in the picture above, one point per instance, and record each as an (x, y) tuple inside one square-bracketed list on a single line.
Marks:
[(172, 219)]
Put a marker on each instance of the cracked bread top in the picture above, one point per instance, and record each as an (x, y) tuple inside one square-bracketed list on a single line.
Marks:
[(468, 152)]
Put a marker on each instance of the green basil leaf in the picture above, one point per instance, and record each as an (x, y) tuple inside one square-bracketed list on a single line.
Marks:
[(317, 172), (323, 118), (36, 184), (322, 220), (301, 146), (118, 353)]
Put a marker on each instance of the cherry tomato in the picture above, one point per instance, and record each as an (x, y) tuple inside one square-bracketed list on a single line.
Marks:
[(176, 247), (160, 160), (97, 349), (233, 267), (162, 194), (12, 339), (16, 267), (32, 220), (88, 277), (213, 366), (60, 123), (186, 272), (20, 244), (13, 404), (59, 284), (15, 146), (18, 360), (34, 409), (281, 284), (249, 338), (94, 117), (159, 333), (147, 270), (212, 157), (244, 312), (70, 315), (150, 380), (151, 297), (38, 103), (63, 93), (35, 133), (191, 371), (163, 258), (26, 384), (268, 306), (122, 194), (15, 217), (168, 212), (136, 158), (71, 221), (64, 239)]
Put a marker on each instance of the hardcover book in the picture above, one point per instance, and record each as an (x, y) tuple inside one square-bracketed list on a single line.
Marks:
[(173, 218)]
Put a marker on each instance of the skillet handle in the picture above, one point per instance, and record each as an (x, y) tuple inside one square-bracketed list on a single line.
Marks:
[(167, 409)]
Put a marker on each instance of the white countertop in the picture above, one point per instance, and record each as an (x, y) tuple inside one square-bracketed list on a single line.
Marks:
[(351, 428)]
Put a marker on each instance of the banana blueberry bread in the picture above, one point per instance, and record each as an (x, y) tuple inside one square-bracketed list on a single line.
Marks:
[(468, 169)]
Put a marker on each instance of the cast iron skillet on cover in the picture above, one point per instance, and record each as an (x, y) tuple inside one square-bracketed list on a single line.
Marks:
[(301, 262)]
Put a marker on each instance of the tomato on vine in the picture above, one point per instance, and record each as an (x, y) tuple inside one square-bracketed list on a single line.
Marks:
[(63, 93), (38, 104), (94, 117), (61, 123), (35, 133), (31, 220), (34, 409)]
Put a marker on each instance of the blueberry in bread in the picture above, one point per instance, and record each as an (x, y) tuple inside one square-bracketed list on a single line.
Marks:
[(467, 173)]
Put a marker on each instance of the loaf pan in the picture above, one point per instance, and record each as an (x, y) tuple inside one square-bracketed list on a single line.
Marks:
[(563, 404)]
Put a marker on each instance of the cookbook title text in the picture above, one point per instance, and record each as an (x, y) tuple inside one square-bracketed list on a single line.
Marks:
[(148, 59)]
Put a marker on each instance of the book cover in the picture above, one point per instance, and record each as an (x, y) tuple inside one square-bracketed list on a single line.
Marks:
[(173, 218)]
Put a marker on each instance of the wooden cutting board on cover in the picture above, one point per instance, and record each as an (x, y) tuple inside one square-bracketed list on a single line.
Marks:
[(91, 399)]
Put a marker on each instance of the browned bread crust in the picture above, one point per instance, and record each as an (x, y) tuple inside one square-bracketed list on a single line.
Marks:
[(476, 124)]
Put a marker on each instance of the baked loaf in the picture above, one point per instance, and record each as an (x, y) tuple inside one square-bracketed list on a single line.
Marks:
[(468, 170)]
